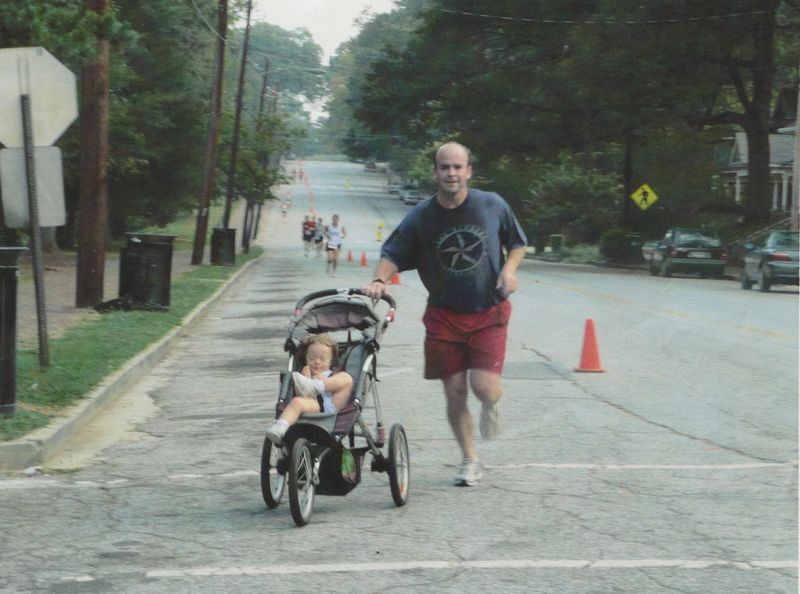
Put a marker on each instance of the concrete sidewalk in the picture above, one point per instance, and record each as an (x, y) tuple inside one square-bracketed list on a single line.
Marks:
[(61, 313)]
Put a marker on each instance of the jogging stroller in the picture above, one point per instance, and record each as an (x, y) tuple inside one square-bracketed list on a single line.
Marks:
[(323, 453)]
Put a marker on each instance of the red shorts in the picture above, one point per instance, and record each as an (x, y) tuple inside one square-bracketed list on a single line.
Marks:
[(455, 342)]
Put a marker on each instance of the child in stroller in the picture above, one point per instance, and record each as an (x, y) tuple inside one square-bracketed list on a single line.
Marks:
[(317, 444), (322, 390)]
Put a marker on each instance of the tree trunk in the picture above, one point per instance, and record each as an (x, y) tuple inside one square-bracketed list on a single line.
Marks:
[(93, 192), (758, 195)]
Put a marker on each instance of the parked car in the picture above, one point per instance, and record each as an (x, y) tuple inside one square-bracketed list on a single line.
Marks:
[(394, 188), (405, 188), (689, 250), (774, 262), (412, 196)]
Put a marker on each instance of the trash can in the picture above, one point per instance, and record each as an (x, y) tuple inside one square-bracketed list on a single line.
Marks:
[(9, 270), (556, 242), (145, 269), (223, 247), (634, 245)]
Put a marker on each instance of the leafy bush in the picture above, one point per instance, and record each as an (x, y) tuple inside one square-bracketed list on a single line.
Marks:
[(574, 199)]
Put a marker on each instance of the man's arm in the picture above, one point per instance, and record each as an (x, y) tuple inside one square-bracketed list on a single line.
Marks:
[(384, 272), (507, 281)]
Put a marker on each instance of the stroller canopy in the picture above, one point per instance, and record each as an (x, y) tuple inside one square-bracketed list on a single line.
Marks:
[(331, 314)]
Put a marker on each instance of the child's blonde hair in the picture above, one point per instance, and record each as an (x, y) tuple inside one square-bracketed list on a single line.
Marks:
[(324, 340)]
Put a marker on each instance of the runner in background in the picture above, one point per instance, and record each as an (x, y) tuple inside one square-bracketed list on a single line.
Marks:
[(335, 234), (309, 228)]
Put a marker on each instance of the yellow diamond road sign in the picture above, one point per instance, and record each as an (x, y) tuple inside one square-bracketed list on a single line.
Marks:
[(644, 197)]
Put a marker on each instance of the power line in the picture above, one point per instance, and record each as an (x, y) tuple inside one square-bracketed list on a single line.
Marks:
[(203, 18), (717, 17)]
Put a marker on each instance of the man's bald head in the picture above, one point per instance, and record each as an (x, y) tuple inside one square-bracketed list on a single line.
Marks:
[(450, 148)]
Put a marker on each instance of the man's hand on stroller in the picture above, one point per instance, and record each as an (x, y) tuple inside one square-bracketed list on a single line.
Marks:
[(376, 289), (383, 272)]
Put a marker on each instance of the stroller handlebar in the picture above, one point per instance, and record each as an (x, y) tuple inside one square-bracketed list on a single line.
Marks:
[(331, 292)]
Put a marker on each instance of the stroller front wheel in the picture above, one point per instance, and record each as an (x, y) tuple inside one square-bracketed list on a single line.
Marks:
[(398, 465), (301, 482), (272, 481)]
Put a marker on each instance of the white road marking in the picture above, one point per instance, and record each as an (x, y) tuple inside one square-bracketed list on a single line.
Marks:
[(78, 578), (744, 466), (41, 483), (485, 564), (394, 371), (241, 473)]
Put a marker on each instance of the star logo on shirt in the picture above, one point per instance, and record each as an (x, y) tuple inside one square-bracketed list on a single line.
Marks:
[(460, 249)]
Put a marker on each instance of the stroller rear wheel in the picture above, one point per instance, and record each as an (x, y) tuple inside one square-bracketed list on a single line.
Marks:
[(272, 482), (398, 465), (301, 482)]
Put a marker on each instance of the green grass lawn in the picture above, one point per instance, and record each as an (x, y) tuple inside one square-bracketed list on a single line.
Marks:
[(83, 355)]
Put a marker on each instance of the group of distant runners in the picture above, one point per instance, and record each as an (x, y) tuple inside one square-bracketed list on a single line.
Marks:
[(316, 235)]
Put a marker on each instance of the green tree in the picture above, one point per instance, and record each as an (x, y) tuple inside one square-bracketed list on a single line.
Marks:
[(381, 37), (582, 77)]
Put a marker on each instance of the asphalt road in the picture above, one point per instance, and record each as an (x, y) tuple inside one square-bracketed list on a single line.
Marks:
[(674, 470)]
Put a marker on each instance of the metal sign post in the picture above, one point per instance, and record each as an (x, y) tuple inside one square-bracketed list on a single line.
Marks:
[(40, 92), (36, 232)]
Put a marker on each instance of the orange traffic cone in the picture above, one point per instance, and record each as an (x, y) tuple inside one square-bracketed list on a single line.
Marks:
[(395, 279), (349, 255), (363, 259), (590, 358)]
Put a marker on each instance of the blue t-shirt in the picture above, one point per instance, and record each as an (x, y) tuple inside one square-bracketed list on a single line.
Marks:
[(458, 252)]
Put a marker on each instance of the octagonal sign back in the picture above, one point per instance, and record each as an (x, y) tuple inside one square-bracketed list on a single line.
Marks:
[(52, 90)]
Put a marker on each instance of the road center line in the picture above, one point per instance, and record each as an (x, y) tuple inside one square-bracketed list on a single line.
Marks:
[(601, 564)]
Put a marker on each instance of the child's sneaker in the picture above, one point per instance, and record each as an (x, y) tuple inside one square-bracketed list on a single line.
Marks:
[(469, 473), (305, 386), (490, 419), (276, 431)]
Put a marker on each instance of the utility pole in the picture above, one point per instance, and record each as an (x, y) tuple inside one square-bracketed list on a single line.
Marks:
[(248, 231), (796, 170), (237, 122), (93, 192), (263, 90), (201, 229)]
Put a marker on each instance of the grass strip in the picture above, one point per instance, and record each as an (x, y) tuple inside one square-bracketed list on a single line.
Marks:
[(86, 353)]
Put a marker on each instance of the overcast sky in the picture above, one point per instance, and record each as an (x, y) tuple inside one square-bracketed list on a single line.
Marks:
[(329, 21)]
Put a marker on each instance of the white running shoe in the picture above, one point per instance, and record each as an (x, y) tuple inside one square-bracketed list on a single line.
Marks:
[(304, 386), (469, 473), (490, 420), (276, 431)]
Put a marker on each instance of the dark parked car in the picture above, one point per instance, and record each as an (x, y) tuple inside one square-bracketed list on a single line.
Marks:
[(689, 250), (775, 262)]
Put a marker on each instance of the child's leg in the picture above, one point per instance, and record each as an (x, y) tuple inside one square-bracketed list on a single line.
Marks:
[(298, 406), (339, 386), (289, 416)]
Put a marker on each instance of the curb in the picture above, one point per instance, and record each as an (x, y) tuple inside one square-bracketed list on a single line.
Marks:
[(35, 448)]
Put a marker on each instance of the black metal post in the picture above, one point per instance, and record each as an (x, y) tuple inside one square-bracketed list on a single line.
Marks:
[(9, 269)]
